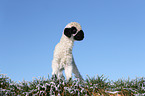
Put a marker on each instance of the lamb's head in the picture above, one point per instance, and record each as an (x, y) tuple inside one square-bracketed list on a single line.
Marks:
[(74, 31)]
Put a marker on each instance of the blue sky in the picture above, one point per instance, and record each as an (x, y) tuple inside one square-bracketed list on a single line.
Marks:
[(114, 43)]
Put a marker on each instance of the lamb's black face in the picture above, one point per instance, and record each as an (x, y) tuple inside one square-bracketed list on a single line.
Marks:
[(73, 32)]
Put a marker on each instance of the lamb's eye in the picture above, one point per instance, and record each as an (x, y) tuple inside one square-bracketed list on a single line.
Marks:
[(73, 30)]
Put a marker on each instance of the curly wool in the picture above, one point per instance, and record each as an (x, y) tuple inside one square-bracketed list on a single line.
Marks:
[(63, 58)]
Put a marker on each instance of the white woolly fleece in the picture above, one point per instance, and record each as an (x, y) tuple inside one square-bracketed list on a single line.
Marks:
[(63, 58)]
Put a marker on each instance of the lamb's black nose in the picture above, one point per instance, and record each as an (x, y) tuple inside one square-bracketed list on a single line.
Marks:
[(79, 36)]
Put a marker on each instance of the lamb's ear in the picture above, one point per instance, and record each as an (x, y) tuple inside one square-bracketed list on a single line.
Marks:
[(67, 32)]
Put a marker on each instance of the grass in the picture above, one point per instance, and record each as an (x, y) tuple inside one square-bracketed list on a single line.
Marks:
[(95, 86)]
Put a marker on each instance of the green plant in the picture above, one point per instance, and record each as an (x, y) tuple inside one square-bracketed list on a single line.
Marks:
[(95, 86)]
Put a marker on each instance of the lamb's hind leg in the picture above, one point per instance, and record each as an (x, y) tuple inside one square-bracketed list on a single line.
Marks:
[(76, 71)]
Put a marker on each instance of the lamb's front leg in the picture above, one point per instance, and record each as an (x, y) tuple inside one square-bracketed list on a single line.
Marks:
[(68, 67), (55, 68), (68, 72)]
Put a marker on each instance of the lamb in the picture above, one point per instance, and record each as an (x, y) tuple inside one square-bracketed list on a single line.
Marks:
[(63, 57)]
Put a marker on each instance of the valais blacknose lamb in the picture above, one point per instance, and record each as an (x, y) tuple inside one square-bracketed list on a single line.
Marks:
[(63, 57)]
